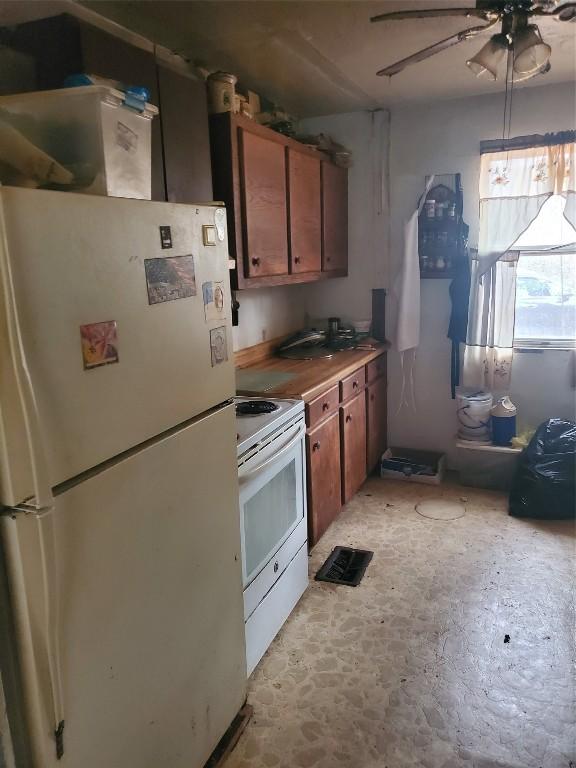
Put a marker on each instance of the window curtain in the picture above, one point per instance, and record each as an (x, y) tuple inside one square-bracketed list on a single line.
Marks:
[(515, 182)]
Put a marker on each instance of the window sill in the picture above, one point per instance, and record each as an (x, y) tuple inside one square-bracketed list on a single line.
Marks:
[(537, 348), (488, 448)]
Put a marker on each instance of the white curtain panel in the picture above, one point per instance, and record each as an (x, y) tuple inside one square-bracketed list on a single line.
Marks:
[(514, 185)]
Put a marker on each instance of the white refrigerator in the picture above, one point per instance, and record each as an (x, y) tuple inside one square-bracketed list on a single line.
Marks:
[(118, 479)]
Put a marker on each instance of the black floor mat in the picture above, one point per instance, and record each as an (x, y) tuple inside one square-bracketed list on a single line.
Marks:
[(345, 566)]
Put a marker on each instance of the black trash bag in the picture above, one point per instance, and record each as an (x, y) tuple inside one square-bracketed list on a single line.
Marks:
[(544, 485)]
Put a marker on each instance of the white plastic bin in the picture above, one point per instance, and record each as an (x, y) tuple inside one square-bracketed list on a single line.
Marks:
[(99, 146), (486, 466)]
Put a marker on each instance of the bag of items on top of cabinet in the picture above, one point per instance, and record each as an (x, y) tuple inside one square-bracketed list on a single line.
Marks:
[(544, 485)]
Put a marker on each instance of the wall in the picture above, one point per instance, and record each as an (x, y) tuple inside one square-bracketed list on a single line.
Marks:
[(444, 138), (366, 134), (266, 313)]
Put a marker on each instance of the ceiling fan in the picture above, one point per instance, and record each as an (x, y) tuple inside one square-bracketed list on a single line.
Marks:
[(517, 38)]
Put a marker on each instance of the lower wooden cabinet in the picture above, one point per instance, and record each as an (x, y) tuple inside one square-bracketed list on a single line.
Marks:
[(323, 460), (376, 431), (353, 440), (346, 437)]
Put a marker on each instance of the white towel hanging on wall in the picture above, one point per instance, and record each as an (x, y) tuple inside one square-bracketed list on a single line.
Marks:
[(407, 290), (407, 287)]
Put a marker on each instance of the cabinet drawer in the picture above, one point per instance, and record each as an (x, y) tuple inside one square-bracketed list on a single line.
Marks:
[(352, 384), (375, 369), (322, 406)]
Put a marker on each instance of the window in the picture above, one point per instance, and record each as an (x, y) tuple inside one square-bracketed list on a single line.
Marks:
[(546, 280)]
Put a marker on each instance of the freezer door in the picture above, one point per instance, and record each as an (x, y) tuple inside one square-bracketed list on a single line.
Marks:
[(123, 308), (151, 617)]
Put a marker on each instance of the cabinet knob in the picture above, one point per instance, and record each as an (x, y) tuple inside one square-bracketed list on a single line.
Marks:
[(256, 261), (325, 406), (348, 418), (276, 566), (316, 446), (354, 385), (297, 260)]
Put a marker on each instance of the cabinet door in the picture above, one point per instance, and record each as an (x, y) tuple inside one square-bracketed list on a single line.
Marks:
[(353, 441), (334, 217), (263, 181), (375, 422), (304, 212), (323, 460), (184, 117)]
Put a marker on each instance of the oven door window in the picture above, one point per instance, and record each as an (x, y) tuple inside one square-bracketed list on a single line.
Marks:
[(270, 513)]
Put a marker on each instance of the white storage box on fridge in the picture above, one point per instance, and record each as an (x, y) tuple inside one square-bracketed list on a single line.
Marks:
[(98, 145)]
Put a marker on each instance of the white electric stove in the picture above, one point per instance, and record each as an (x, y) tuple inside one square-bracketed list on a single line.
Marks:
[(273, 521)]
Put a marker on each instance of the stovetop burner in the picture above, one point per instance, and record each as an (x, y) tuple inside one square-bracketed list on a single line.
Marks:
[(255, 407)]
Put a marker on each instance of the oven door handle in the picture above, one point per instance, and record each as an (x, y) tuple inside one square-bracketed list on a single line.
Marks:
[(285, 448)]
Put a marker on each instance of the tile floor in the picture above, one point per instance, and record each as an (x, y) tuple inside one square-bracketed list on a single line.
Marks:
[(411, 668)]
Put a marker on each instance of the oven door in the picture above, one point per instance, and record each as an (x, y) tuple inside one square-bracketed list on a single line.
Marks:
[(272, 496)]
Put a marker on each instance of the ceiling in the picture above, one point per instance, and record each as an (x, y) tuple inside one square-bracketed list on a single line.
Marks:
[(320, 56)]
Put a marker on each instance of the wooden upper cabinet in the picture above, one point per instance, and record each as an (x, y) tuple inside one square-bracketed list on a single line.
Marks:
[(334, 218), (263, 179), (304, 212), (272, 187)]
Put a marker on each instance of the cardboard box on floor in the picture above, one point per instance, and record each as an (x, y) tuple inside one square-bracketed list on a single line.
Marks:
[(437, 461)]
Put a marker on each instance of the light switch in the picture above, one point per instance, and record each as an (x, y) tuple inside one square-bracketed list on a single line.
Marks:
[(209, 234)]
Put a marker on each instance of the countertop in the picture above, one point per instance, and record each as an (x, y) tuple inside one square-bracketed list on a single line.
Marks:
[(312, 377)]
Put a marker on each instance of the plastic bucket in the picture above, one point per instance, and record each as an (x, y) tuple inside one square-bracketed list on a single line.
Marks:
[(473, 411)]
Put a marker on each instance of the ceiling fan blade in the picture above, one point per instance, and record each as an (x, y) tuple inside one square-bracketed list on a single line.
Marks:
[(564, 12), (434, 13), (431, 50)]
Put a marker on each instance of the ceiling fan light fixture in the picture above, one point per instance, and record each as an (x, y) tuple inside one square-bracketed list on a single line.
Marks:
[(488, 59), (542, 71), (531, 53)]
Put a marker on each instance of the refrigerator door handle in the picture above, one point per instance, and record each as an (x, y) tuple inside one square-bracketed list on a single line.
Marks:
[(23, 379), (43, 503)]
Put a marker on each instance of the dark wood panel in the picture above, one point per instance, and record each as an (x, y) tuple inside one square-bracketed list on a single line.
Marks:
[(376, 369), (353, 445), (334, 217), (184, 116), (323, 462), (376, 422), (263, 180), (322, 406), (353, 384), (304, 206)]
